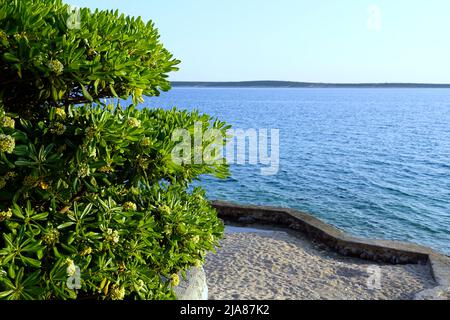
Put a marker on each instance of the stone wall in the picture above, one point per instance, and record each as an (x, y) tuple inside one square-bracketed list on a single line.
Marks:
[(194, 287)]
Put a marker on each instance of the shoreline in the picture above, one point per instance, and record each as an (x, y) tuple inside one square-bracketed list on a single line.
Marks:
[(307, 227)]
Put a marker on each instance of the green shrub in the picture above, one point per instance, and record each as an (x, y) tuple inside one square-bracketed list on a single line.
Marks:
[(47, 62), (86, 184)]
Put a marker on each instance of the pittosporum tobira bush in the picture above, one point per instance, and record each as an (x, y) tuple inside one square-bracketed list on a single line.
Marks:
[(92, 205)]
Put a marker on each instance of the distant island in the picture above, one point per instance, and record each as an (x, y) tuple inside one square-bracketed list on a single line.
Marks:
[(291, 84)]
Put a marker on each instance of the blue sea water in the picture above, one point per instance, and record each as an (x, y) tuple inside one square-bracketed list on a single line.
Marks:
[(372, 162)]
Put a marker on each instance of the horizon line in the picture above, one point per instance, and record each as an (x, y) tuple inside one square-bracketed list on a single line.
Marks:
[(282, 83)]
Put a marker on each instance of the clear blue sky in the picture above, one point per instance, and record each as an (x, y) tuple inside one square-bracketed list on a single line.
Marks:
[(297, 40)]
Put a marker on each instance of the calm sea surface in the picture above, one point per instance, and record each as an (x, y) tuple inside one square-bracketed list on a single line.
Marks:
[(373, 162)]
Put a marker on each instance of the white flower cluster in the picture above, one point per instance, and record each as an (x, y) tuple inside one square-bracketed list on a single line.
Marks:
[(112, 236)]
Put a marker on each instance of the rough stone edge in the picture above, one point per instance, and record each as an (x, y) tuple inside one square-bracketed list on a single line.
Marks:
[(194, 287), (395, 252)]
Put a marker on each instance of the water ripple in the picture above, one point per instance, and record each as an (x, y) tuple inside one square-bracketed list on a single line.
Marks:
[(373, 162)]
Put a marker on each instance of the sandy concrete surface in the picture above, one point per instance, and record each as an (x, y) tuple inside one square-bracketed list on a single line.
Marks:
[(263, 264)]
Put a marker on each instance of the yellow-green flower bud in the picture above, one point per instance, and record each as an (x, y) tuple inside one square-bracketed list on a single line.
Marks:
[(174, 280), (90, 133), (129, 206), (167, 230), (117, 293), (3, 35), (106, 169), (56, 66), (10, 175), (146, 142), (51, 237), (84, 171), (58, 128), (164, 209), (198, 263), (5, 215), (7, 143), (86, 251), (195, 239), (61, 113), (71, 268), (133, 122), (8, 122), (20, 36), (112, 236)]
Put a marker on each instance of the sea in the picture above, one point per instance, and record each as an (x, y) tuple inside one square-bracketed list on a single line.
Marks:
[(374, 162)]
